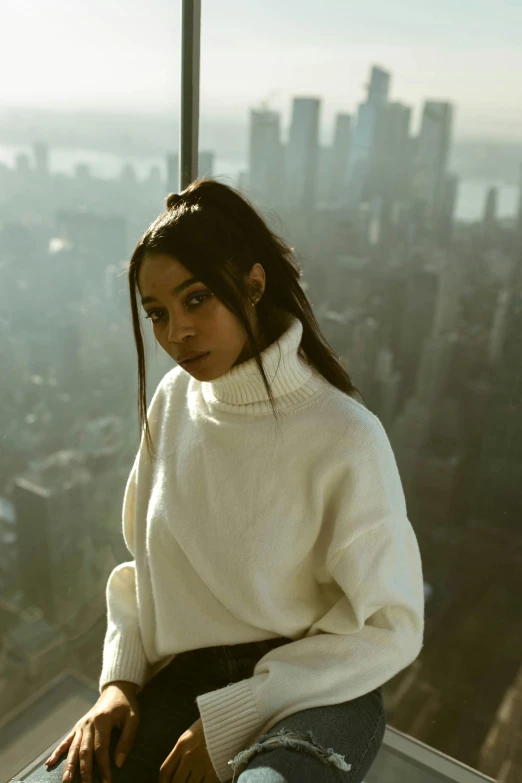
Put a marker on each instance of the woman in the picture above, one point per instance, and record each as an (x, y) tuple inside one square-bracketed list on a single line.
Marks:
[(276, 580)]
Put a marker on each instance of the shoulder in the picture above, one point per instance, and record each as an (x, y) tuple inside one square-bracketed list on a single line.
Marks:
[(171, 387), (174, 379), (362, 455), (352, 437), (347, 419), (362, 463)]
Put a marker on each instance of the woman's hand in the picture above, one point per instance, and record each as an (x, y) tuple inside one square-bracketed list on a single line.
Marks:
[(117, 706), (189, 758)]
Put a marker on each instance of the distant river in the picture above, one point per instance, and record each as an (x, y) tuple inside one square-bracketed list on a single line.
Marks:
[(470, 202)]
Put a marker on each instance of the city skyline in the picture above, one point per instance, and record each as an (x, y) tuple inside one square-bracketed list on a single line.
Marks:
[(468, 59), (361, 134)]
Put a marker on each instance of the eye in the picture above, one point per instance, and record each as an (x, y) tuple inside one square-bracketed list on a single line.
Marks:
[(151, 314), (198, 296)]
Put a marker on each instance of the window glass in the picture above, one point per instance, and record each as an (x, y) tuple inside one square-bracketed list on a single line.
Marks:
[(88, 117), (385, 143)]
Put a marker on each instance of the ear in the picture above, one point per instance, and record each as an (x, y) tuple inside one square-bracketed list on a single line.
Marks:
[(257, 280)]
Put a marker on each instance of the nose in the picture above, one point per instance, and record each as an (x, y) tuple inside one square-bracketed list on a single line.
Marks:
[(179, 331)]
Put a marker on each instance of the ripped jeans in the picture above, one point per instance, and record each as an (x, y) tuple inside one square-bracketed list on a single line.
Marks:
[(332, 744)]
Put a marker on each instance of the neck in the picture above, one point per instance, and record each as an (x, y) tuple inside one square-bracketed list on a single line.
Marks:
[(291, 378), (265, 335)]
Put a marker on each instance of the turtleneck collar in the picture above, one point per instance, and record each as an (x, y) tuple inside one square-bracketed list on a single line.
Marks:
[(292, 379)]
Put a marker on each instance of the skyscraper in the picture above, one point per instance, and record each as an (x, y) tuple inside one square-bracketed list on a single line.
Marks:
[(388, 167), (302, 154), (431, 156), (265, 158), (490, 209), (340, 156), (447, 209), (172, 172), (519, 211), (205, 163), (363, 143), (50, 502), (41, 154), (379, 86), (499, 476)]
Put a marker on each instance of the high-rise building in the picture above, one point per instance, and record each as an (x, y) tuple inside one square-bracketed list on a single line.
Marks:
[(519, 210), (490, 208), (265, 158), (205, 163), (340, 156), (41, 155), (22, 164), (302, 154), (364, 137), (172, 172), (447, 209), (431, 156), (379, 86), (499, 475), (324, 176), (50, 503), (389, 166)]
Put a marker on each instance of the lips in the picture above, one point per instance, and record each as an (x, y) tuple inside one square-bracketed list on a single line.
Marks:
[(190, 357), (194, 358)]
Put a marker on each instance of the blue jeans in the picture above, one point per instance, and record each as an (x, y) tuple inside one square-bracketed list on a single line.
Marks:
[(332, 744)]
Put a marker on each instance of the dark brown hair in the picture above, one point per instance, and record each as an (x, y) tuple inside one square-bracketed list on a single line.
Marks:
[(218, 236)]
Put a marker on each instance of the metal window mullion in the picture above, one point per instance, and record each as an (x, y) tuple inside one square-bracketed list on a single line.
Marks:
[(189, 119)]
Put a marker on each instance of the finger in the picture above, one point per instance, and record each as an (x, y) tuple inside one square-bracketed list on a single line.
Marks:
[(127, 736), (86, 752), (171, 766), (62, 747), (72, 758), (101, 750)]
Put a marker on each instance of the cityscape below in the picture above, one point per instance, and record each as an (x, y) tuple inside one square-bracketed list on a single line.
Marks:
[(422, 304)]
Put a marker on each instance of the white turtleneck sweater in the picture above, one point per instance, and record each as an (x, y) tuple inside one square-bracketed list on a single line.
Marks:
[(242, 532)]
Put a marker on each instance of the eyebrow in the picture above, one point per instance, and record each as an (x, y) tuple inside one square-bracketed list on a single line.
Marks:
[(175, 291)]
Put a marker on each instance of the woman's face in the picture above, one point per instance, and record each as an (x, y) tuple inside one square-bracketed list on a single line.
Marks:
[(186, 316)]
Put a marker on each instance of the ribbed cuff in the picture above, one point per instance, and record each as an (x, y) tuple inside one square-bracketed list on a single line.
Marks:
[(230, 719), (124, 659)]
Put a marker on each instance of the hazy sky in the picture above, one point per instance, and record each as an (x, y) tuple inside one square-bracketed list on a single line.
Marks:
[(125, 53)]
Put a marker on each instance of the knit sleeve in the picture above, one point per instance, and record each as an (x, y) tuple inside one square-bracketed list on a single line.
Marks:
[(374, 628), (123, 653)]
